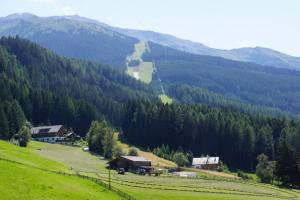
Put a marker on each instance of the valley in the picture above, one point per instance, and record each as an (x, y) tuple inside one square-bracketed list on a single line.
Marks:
[(90, 110)]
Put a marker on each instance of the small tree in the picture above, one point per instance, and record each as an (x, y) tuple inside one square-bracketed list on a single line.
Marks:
[(180, 159), (24, 136), (133, 152), (109, 143), (264, 168), (118, 151)]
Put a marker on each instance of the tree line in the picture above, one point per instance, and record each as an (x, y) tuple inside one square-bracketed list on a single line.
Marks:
[(237, 137)]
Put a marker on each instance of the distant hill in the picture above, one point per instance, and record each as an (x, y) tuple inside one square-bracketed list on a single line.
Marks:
[(84, 38), (259, 55), (71, 36)]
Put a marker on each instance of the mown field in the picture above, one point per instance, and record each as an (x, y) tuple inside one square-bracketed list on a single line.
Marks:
[(161, 188), (26, 175)]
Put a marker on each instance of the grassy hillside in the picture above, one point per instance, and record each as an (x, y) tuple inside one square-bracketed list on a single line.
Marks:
[(164, 187), (28, 179)]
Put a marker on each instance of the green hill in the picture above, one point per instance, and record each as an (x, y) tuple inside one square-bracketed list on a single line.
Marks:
[(26, 176)]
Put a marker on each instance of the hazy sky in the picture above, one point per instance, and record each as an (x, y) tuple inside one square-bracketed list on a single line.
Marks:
[(222, 24)]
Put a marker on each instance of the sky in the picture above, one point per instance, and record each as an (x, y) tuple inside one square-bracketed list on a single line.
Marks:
[(223, 24)]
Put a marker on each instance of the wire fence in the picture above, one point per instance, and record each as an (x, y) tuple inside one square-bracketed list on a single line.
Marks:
[(124, 195)]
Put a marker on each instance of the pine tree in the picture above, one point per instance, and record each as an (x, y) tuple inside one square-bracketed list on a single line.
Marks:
[(287, 165), (4, 126)]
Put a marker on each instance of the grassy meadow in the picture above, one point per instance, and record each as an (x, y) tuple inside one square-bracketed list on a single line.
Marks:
[(27, 178), (72, 159)]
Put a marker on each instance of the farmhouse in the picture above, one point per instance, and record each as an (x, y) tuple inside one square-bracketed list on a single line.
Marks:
[(51, 134), (131, 163), (210, 163)]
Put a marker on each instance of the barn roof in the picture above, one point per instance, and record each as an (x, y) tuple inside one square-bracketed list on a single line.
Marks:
[(206, 160), (136, 158), (45, 129)]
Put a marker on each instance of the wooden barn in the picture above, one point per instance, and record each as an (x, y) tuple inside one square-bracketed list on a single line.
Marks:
[(209, 163), (131, 163)]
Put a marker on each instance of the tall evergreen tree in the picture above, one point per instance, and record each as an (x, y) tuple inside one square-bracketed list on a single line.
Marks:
[(287, 165)]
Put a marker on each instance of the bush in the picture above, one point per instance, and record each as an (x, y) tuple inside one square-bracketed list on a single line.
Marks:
[(264, 169), (133, 152), (180, 159), (24, 136), (118, 151), (223, 167), (242, 174)]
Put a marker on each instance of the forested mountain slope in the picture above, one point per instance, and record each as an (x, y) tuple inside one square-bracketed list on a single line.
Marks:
[(84, 38), (47, 89), (259, 55), (71, 36), (246, 82)]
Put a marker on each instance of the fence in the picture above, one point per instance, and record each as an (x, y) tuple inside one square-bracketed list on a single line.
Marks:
[(124, 195)]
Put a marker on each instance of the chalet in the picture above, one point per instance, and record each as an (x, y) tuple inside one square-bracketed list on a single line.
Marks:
[(210, 163), (131, 163), (51, 134)]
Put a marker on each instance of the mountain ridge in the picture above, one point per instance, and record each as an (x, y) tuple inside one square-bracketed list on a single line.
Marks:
[(258, 55)]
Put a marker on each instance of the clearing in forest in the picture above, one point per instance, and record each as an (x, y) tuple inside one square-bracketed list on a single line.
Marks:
[(136, 67)]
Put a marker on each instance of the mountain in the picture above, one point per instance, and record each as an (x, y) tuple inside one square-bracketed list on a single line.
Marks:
[(48, 89), (246, 82), (259, 55), (79, 37), (71, 36)]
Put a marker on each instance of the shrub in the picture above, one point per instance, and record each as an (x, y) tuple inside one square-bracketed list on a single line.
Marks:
[(133, 152)]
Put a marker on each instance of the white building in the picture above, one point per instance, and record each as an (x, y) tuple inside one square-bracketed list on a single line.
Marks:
[(210, 163)]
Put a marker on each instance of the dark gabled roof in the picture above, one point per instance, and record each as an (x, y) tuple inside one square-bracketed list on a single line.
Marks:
[(46, 129)]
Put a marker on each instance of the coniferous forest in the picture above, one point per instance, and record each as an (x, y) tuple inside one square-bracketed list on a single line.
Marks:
[(237, 137), (44, 88)]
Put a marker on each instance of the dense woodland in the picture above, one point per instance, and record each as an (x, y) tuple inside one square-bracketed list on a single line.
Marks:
[(246, 82), (237, 137), (194, 95), (44, 88)]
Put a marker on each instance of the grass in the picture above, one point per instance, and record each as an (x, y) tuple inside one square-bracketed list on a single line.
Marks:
[(209, 187), (165, 99), (30, 180), (144, 71)]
